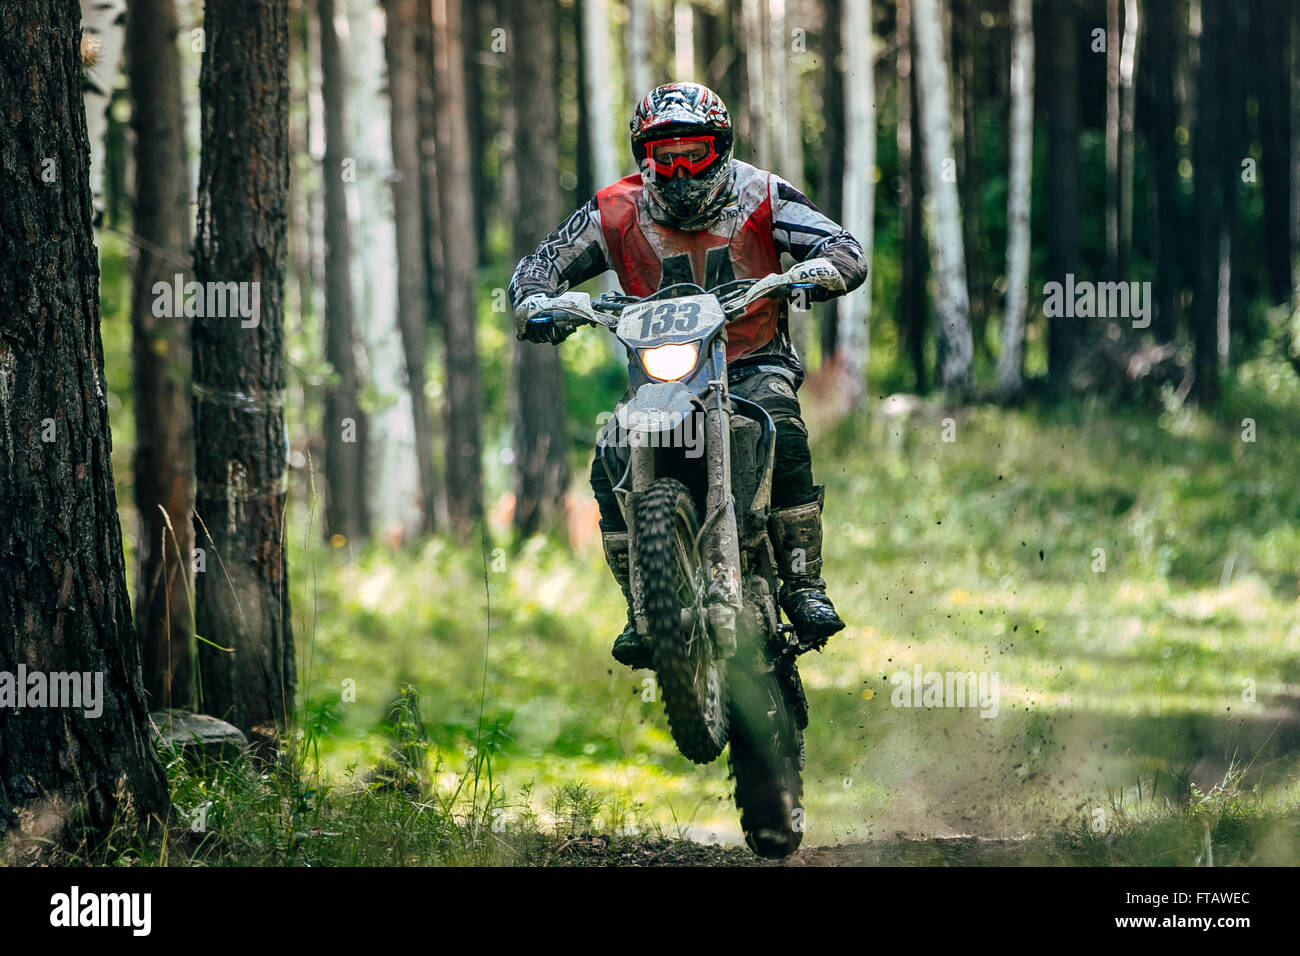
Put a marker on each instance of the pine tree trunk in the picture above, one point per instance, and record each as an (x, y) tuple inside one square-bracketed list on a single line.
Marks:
[(63, 590), (1019, 195), (853, 336), (242, 597), (1270, 74), (1207, 211), (344, 423), (462, 403), (1063, 196), (1112, 137), (951, 297), (538, 403), (1295, 159), (408, 217), (160, 356), (1164, 167), (832, 145), (966, 35), (912, 307)]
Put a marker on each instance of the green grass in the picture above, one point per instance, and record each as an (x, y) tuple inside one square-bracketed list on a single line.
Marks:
[(977, 554), (1177, 664)]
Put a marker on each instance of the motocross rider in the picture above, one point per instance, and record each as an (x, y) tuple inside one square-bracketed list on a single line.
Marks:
[(693, 213)]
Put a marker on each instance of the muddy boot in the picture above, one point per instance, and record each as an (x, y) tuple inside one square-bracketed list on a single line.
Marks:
[(628, 647), (797, 539)]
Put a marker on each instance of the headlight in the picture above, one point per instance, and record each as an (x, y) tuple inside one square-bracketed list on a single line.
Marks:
[(668, 363)]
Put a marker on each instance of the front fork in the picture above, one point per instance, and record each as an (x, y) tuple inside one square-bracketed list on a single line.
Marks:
[(719, 539)]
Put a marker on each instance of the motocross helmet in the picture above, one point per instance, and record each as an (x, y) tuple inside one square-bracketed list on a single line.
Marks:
[(681, 141)]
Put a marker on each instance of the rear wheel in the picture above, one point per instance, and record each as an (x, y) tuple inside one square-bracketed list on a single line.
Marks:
[(691, 679), (766, 757)]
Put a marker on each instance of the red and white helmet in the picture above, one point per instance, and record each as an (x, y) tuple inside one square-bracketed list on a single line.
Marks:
[(681, 140)]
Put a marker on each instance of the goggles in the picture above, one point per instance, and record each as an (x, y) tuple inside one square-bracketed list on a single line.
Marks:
[(691, 153)]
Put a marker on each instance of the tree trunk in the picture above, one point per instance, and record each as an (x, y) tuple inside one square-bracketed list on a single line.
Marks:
[(242, 597), (63, 591), (640, 77), (391, 472), (912, 307), (1207, 212), (759, 135), (1295, 159), (343, 421), (832, 144), (596, 90), (541, 474), (1128, 62), (1270, 74), (1233, 144), (683, 41), (951, 298), (853, 337), (1112, 137), (1063, 196), (160, 356), (1164, 167), (1019, 195), (966, 34), (462, 404), (408, 216), (102, 41)]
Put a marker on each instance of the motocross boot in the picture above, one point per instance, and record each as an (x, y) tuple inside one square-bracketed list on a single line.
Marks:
[(797, 540), (628, 648)]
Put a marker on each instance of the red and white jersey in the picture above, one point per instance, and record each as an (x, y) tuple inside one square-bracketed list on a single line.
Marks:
[(765, 217)]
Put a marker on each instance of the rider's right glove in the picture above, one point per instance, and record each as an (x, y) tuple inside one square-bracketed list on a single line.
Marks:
[(546, 328)]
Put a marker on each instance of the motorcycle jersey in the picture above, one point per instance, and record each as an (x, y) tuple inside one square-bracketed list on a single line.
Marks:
[(764, 217)]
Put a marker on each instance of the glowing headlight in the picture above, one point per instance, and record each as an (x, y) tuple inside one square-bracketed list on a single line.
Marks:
[(668, 363)]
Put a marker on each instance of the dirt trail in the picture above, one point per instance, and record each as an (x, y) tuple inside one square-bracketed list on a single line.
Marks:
[(591, 850)]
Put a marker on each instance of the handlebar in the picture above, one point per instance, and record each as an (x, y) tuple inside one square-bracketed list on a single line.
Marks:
[(734, 295)]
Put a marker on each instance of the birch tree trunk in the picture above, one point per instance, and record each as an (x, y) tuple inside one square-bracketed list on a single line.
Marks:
[(639, 74), (391, 472), (683, 41), (242, 598), (1019, 193), (1128, 64), (943, 209), (103, 40), (65, 772), (596, 86), (160, 356), (854, 311)]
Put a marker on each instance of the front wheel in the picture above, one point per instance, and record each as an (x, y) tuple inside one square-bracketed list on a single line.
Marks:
[(766, 757), (691, 677)]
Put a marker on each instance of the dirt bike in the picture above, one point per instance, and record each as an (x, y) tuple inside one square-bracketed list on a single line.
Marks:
[(705, 592)]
